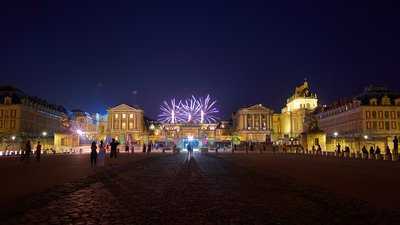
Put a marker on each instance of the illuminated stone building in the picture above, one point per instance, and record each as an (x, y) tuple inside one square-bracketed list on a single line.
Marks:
[(27, 118), (253, 124), (371, 119), (289, 124), (125, 122)]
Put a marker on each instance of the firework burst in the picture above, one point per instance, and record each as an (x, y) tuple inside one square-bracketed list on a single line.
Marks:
[(190, 110)]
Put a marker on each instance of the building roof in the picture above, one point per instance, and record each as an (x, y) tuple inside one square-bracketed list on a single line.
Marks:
[(17, 96), (377, 92)]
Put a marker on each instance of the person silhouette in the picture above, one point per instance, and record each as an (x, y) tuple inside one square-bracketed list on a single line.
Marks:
[(190, 150), (38, 151)]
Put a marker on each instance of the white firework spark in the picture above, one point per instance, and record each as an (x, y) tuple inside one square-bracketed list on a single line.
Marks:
[(190, 110), (170, 113), (207, 111)]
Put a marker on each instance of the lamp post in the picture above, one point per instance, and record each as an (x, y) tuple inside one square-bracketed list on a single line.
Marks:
[(365, 139), (13, 139), (335, 134), (291, 144), (79, 132), (44, 137)]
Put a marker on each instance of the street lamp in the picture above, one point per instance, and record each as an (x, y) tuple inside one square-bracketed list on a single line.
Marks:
[(44, 137), (13, 139), (335, 134), (291, 144)]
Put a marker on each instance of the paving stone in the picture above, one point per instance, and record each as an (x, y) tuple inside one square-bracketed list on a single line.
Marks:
[(202, 190)]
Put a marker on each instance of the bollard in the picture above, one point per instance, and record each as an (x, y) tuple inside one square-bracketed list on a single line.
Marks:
[(387, 157), (378, 156), (395, 157)]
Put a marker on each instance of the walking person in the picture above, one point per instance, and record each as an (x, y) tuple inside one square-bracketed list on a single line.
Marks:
[(93, 154), (102, 153), (28, 149), (190, 150), (38, 151), (113, 154)]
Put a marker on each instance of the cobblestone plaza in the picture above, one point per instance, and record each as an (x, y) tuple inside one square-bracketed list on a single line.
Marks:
[(207, 189)]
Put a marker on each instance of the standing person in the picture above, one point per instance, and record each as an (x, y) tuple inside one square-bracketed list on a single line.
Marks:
[(319, 150), (378, 150), (338, 147), (251, 147), (149, 147), (247, 148), (102, 153), (93, 154), (38, 151), (127, 147), (113, 154), (387, 152), (371, 150), (28, 149), (144, 148), (395, 145)]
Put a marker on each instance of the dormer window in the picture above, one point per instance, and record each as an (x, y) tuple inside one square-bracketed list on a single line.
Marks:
[(385, 100), (7, 100), (373, 101), (397, 101)]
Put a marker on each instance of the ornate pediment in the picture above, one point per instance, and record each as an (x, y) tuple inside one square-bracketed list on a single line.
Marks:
[(124, 107), (258, 107)]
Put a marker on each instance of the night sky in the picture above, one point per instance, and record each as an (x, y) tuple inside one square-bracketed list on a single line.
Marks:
[(93, 55)]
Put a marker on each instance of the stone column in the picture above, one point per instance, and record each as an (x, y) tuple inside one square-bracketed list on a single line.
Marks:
[(260, 123), (245, 121), (252, 121), (112, 121)]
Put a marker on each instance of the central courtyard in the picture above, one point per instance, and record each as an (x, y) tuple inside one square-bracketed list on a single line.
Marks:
[(206, 189)]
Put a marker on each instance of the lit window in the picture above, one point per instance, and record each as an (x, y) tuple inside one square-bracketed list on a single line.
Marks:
[(124, 115), (131, 116), (116, 116), (123, 125)]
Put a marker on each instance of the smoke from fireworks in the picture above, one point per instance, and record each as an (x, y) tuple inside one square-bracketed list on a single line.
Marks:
[(189, 110)]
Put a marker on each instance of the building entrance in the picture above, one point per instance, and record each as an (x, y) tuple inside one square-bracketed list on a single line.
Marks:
[(185, 141)]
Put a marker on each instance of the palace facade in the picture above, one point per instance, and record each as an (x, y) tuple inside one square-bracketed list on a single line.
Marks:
[(370, 119), (289, 124), (24, 117), (253, 123)]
